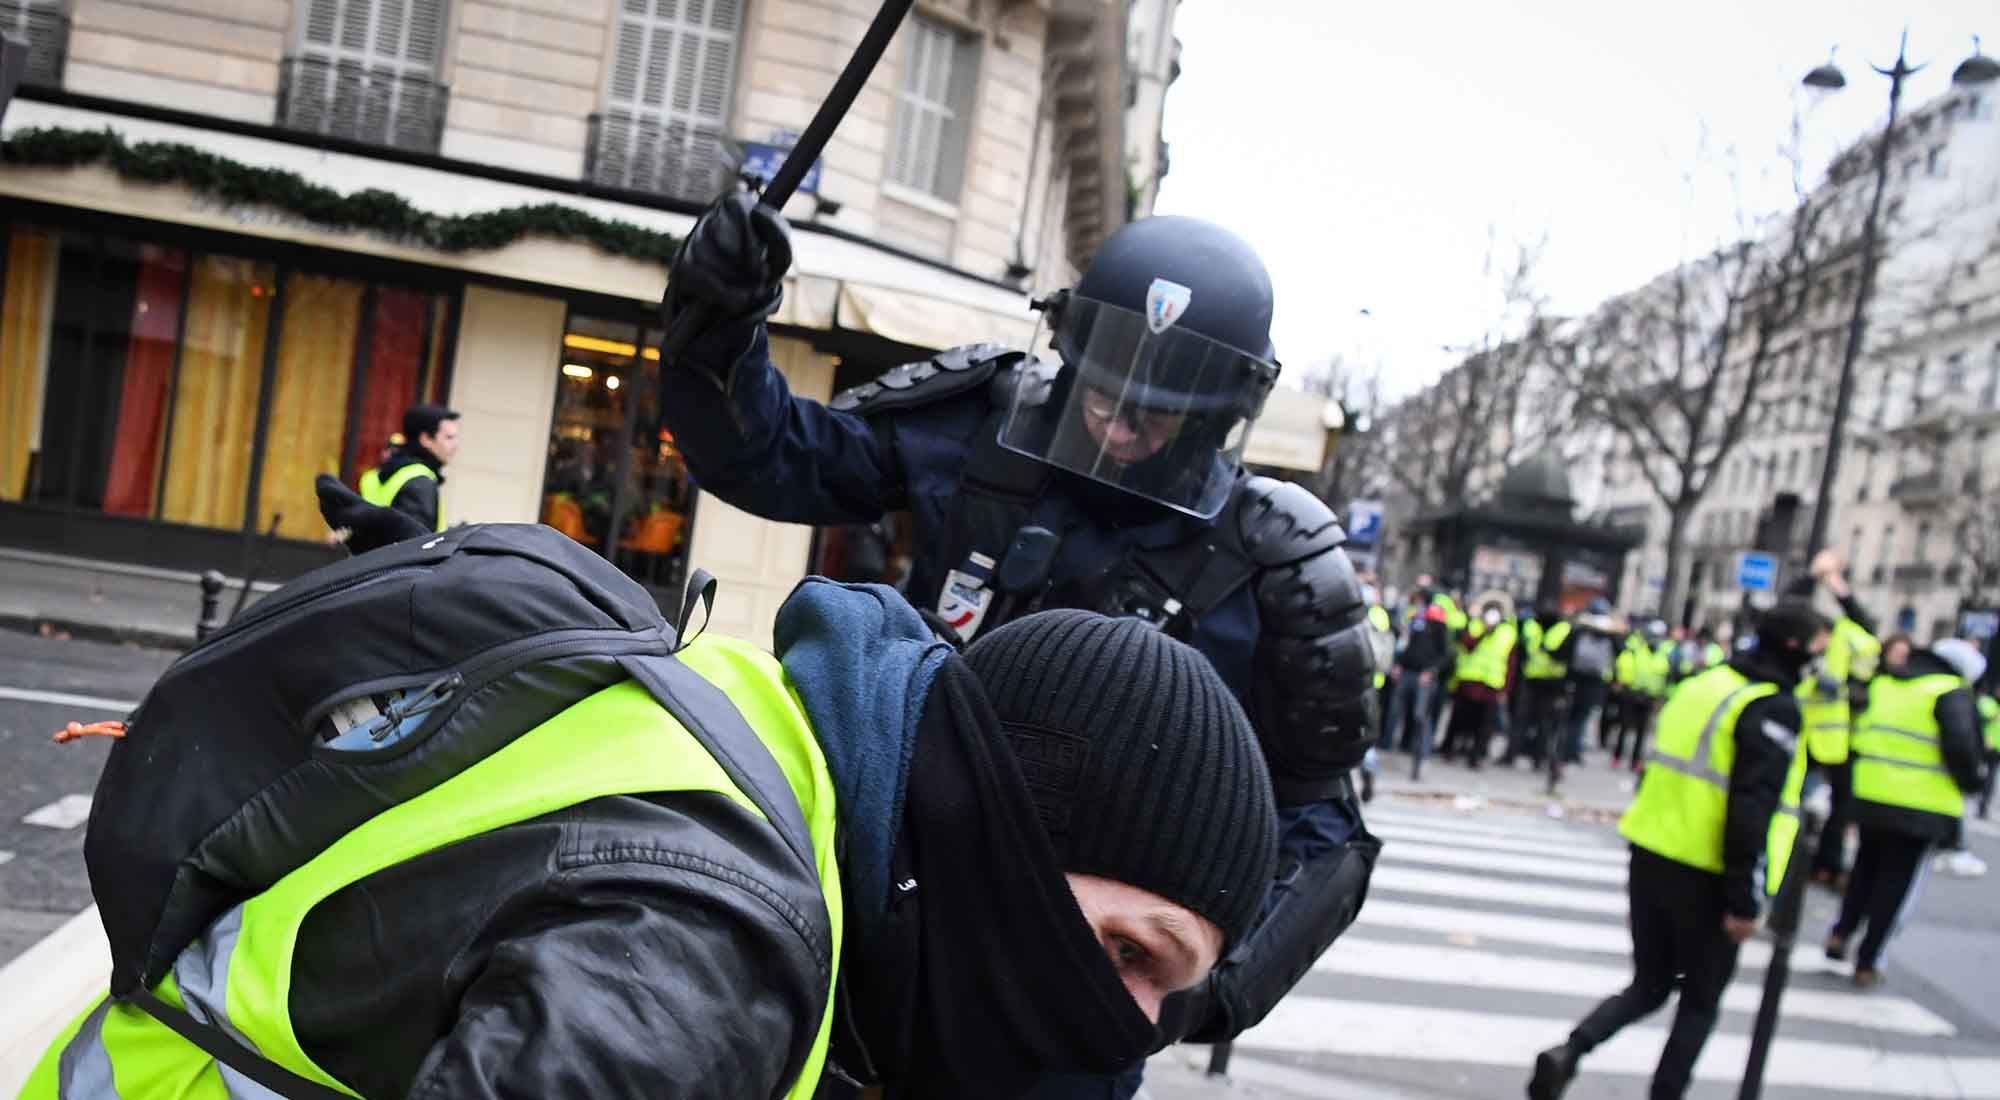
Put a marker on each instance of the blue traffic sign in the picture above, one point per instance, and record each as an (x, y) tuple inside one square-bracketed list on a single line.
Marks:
[(763, 159), (1757, 572)]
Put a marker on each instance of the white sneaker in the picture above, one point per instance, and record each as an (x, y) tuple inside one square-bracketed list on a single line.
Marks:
[(1959, 863)]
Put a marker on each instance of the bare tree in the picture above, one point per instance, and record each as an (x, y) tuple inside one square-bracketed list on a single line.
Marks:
[(1679, 370), (1354, 467), (1487, 412)]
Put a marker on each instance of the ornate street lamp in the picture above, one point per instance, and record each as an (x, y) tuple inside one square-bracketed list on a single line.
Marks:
[(1974, 70)]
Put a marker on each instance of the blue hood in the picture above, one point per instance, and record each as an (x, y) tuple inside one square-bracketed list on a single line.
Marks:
[(862, 661)]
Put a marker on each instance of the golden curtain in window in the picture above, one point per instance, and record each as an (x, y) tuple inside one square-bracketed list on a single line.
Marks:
[(215, 402), (24, 349), (308, 400)]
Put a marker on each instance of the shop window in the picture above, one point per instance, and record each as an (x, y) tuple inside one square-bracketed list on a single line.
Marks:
[(88, 362), (215, 396), (615, 481), (400, 359), (132, 380)]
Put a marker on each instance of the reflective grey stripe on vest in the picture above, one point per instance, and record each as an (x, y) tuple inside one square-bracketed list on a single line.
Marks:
[(202, 973), (1938, 769), (84, 1071), (1697, 766), (1930, 738)]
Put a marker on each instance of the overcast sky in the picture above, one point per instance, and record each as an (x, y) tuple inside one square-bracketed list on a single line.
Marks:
[(1365, 149)]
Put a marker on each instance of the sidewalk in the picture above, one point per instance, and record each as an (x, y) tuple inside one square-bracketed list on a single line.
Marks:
[(1591, 791), (105, 601)]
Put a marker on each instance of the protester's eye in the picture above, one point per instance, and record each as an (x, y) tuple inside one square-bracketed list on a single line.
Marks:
[(1128, 954)]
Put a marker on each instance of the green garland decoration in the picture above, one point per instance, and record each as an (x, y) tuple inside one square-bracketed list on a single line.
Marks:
[(368, 210)]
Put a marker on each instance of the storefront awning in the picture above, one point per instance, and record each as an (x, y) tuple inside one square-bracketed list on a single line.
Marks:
[(1291, 434)]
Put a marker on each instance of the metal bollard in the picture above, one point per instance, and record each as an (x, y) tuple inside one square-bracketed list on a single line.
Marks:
[(211, 604)]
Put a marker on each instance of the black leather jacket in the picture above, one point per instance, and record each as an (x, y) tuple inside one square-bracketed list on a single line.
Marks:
[(621, 947)]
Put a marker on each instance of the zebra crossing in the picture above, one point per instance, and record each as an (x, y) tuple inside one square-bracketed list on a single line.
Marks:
[(1485, 939)]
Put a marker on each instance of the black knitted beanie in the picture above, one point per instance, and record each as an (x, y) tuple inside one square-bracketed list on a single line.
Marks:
[(1142, 766)]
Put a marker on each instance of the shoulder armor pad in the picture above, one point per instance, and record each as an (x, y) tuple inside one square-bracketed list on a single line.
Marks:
[(946, 374), (1280, 523), (1034, 376)]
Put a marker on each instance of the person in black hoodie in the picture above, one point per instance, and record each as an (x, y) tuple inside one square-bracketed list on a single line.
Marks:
[(1917, 754)]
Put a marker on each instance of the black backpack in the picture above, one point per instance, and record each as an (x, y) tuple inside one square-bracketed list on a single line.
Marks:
[(354, 688)]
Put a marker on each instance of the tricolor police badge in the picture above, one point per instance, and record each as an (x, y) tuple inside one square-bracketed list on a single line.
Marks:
[(1165, 302), (966, 596)]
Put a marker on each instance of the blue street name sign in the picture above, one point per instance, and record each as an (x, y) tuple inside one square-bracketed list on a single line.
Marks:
[(1757, 572)]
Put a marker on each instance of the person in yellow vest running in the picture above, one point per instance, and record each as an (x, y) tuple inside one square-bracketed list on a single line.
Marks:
[(1038, 841), (1917, 754), (411, 480), (1719, 801)]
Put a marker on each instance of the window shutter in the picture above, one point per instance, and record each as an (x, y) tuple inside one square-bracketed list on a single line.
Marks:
[(666, 109), (367, 70), (44, 25), (928, 139)]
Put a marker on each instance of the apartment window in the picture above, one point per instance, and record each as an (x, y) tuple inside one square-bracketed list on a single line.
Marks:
[(666, 105), (1791, 467), (366, 70), (44, 25), (933, 108), (1935, 162), (1923, 549), (1993, 380), (1955, 374)]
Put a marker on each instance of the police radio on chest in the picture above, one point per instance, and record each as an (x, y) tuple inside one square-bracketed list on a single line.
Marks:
[(1135, 593)]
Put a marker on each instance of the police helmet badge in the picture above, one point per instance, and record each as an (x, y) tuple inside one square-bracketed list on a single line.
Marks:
[(1165, 302)]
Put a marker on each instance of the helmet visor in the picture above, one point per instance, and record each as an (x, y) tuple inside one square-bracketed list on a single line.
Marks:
[(1162, 414)]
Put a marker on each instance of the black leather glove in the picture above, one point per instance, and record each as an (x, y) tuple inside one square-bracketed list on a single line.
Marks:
[(370, 526), (729, 270)]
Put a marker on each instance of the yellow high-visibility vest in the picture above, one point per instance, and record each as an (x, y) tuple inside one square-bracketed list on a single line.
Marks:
[(1683, 801), (618, 741), (1898, 759), (382, 493)]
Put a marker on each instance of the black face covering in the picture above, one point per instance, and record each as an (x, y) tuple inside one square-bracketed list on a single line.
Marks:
[(984, 974)]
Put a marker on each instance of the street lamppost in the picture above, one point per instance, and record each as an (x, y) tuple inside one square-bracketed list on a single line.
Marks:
[(1784, 923), (1974, 70)]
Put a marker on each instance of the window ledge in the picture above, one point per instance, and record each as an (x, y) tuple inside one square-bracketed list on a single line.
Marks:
[(910, 196)]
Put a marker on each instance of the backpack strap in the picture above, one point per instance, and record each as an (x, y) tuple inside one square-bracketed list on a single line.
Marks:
[(218, 1044)]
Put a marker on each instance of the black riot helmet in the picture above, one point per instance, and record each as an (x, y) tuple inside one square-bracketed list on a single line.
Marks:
[(1166, 359)]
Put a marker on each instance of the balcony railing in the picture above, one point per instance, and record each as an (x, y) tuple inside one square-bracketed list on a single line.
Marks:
[(671, 157), (344, 98), (1918, 488), (44, 24), (1916, 573)]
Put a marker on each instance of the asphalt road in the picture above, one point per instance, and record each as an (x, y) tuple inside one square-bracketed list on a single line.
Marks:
[(43, 883)]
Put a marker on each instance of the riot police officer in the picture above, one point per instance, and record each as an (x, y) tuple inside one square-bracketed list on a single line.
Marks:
[(1106, 476)]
